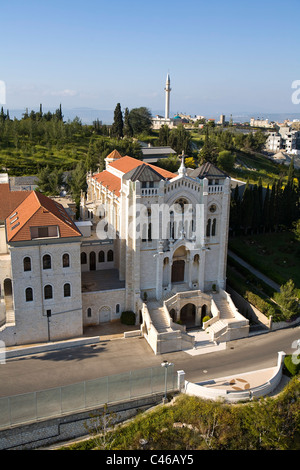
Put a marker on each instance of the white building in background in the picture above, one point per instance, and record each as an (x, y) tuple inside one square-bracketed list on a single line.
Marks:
[(285, 139), (261, 123)]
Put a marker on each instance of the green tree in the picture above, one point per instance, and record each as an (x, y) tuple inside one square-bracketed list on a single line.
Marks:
[(140, 120), (226, 160), (164, 135), (127, 126), (180, 140), (50, 182), (117, 126), (288, 300), (77, 183)]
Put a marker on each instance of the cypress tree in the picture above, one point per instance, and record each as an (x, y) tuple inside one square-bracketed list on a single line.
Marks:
[(117, 127), (128, 132)]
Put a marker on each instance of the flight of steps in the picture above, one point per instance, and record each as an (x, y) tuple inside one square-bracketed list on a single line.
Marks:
[(159, 317), (10, 314), (223, 307)]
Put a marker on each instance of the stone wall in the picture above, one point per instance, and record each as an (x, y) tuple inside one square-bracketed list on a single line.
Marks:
[(102, 305), (59, 430)]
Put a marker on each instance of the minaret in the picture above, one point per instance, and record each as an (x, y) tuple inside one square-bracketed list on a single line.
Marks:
[(167, 90)]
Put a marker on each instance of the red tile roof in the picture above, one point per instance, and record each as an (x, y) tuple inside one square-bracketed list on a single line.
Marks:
[(9, 200), (38, 210), (127, 164), (114, 155), (111, 181), (124, 165)]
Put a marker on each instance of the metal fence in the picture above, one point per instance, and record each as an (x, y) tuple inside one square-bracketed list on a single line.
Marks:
[(55, 402)]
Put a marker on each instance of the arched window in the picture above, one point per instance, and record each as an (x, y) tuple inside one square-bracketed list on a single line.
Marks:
[(101, 257), (48, 292), (27, 263), (208, 228), (46, 262), (67, 290), (29, 294), (110, 255), (89, 312), (66, 260), (214, 226), (118, 308), (83, 258)]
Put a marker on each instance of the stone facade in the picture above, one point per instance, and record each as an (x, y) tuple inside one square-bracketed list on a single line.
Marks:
[(143, 233), (165, 230)]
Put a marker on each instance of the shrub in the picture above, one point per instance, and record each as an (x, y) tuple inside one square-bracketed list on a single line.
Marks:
[(206, 318), (265, 307), (291, 366), (128, 317)]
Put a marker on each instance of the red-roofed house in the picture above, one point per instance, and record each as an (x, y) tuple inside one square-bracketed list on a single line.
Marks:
[(40, 271)]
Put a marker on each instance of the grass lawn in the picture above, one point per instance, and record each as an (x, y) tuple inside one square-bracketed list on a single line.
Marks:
[(274, 254)]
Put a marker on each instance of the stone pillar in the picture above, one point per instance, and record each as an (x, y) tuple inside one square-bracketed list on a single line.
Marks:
[(159, 270), (181, 380)]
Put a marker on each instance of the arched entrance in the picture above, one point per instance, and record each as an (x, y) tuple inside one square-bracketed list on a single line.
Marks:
[(178, 270), (104, 314), (178, 264), (173, 314), (92, 261), (188, 315), (203, 312), (7, 287)]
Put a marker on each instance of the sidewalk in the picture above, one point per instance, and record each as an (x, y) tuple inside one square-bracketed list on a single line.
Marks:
[(258, 274), (91, 335)]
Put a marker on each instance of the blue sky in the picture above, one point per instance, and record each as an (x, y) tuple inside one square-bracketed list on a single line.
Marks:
[(223, 57)]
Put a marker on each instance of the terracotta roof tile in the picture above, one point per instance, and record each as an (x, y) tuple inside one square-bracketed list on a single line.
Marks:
[(126, 164), (9, 200), (114, 155), (111, 181), (38, 210)]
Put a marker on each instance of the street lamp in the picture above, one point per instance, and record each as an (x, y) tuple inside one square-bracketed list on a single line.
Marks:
[(166, 364)]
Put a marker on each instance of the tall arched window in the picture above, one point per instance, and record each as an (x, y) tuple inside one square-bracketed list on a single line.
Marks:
[(67, 290), (110, 255), (66, 260), (83, 258), (29, 294), (208, 228), (214, 227), (101, 257), (48, 292), (46, 262), (27, 263)]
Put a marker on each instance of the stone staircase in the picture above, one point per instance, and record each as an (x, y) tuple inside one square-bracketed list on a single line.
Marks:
[(230, 325), (224, 308), (170, 337), (159, 317)]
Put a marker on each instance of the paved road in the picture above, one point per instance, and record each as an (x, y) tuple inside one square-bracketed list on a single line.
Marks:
[(254, 271), (54, 369)]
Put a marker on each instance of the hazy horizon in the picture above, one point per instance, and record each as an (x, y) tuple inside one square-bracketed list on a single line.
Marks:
[(222, 57)]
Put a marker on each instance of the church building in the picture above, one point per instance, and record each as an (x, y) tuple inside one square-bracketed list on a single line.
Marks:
[(148, 241), (169, 234)]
